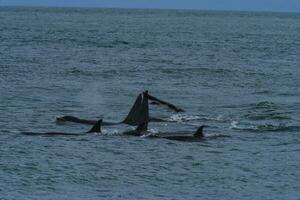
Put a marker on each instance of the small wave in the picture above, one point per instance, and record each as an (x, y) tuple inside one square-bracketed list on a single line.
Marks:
[(264, 128), (79, 72), (122, 42), (287, 143), (185, 118), (263, 92), (214, 152), (267, 116), (215, 136), (153, 131), (288, 94), (150, 132), (237, 126), (234, 125), (277, 128), (258, 105), (266, 110), (264, 104)]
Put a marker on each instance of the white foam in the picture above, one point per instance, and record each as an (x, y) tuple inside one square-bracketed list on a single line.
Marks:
[(111, 132), (153, 131), (183, 118), (219, 117), (234, 125), (178, 117)]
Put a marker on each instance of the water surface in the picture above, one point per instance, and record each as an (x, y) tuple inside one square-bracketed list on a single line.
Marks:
[(237, 72)]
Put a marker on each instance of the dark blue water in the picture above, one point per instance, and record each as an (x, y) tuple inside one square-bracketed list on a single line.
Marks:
[(237, 72)]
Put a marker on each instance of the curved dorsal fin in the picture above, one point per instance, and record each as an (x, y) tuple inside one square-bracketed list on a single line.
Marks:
[(96, 128), (199, 132)]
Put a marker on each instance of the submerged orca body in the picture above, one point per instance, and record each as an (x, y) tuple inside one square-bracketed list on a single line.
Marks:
[(139, 131), (69, 118), (198, 135), (95, 129)]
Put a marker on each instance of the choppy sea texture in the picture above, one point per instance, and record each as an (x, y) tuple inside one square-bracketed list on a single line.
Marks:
[(237, 72)]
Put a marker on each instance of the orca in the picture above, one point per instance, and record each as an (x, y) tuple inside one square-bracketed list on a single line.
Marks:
[(95, 129), (183, 136), (141, 130), (138, 114)]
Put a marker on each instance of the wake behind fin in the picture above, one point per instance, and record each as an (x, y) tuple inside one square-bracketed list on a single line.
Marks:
[(96, 128), (139, 112)]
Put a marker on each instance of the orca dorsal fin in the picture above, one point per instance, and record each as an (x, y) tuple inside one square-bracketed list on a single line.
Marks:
[(139, 112), (96, 128), (199, 132)]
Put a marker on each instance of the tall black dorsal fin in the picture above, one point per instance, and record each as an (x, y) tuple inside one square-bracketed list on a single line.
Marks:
[(139, 112), (96, 128), (199, 132)]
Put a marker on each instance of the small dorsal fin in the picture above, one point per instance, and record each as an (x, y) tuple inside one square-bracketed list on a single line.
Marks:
[(96, 128), (199, 132)]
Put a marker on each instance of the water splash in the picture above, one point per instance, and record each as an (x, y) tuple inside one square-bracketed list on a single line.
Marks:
[(185, 118)]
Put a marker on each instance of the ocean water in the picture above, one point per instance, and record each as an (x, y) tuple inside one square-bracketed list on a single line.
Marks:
[(237, 72)]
